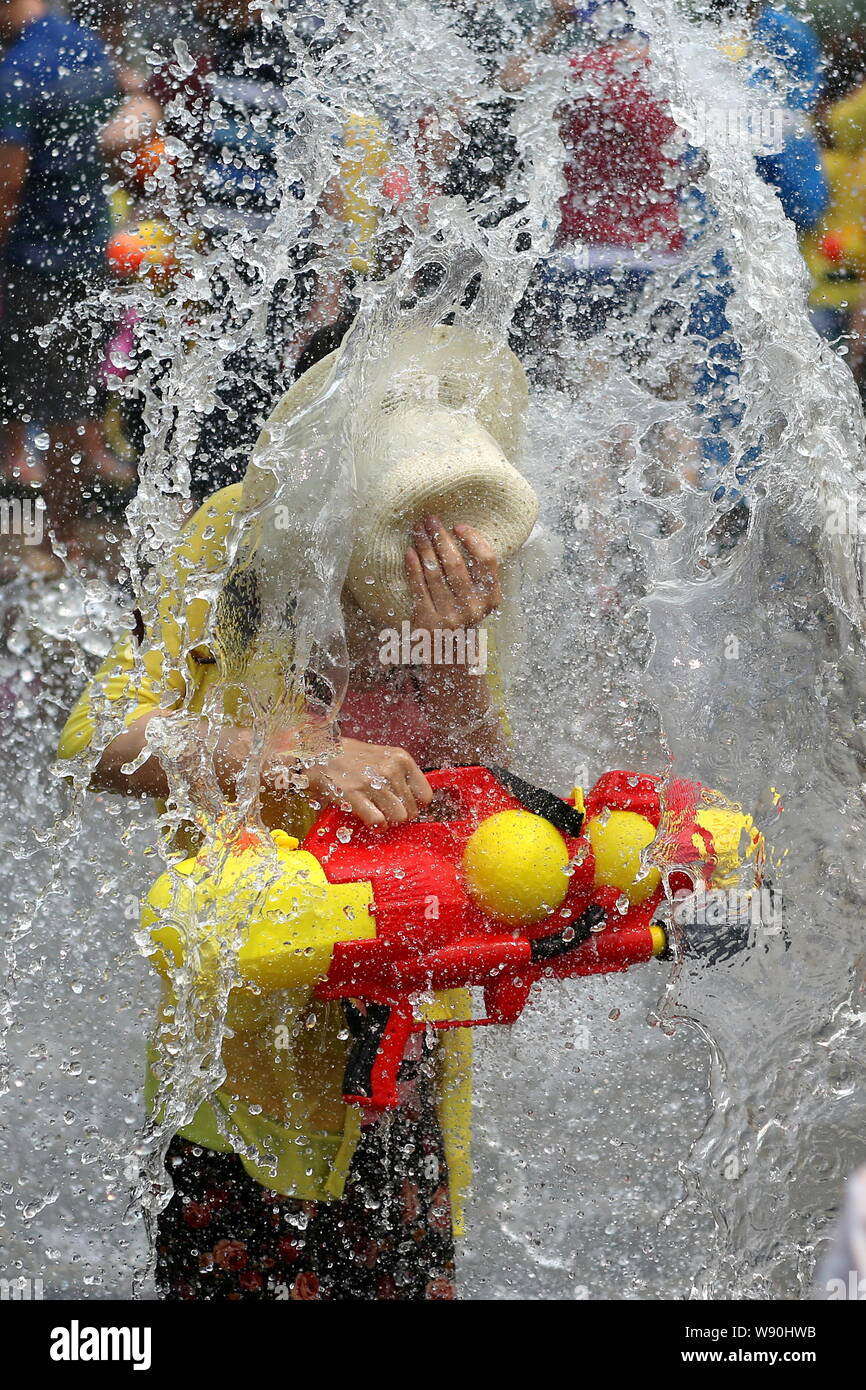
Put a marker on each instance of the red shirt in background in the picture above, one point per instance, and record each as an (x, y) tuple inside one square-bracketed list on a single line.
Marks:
[(621, 184)]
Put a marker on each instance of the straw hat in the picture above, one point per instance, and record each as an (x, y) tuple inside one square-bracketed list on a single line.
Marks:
[(436, 431)]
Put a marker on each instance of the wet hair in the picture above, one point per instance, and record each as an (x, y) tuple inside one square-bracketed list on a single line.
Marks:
[(323, 341)]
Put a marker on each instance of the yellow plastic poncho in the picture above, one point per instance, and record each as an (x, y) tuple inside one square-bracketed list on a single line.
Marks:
[(285, 1099)]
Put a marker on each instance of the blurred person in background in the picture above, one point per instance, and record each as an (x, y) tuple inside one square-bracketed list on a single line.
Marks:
[(232, 107), (835, 251), (841, 1275), (620, 214), (621, 207), (57, 90), (229, 103), (479, 167), (142, 243), (845, 61), (782, 60)]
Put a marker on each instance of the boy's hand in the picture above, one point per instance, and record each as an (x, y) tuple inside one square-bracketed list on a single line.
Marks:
[(381, 785), (448, 590)]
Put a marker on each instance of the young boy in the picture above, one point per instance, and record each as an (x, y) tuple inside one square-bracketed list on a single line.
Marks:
[(354, 1208)]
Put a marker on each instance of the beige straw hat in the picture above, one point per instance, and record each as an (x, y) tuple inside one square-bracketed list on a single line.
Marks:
[(436, 431)]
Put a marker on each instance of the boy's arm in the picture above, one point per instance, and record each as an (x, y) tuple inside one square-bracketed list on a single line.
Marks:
[(154, 677), (379, 784), (135, 688), (230, 759)]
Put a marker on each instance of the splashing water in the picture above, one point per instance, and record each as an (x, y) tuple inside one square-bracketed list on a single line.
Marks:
[(668, 626)]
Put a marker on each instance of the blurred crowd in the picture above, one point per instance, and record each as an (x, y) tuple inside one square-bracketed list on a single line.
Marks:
[(130, 131)]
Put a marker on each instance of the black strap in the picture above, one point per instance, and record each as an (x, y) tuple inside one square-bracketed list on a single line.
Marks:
[(544, 948), (565, 818), (358, 1080)]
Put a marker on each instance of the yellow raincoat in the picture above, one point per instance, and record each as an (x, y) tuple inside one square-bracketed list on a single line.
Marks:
[(284, 1063)]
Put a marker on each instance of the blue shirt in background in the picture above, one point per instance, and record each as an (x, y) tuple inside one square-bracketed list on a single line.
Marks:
[(794, 82), (795, 47), (57, 88)]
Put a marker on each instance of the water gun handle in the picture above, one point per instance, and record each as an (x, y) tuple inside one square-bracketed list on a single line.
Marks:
[(381, 1035), (563, 943)]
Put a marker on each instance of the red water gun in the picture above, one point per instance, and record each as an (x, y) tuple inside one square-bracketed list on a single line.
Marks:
[(498, 885)]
